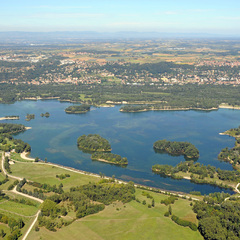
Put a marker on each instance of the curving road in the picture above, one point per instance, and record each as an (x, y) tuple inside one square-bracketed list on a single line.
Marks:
[(22, 194)]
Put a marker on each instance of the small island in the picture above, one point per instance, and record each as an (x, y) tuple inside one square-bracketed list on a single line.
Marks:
[(77, 109), (47, 115), (30, 117), (232, 155), (94, 143), (177, 148), (109, 158)]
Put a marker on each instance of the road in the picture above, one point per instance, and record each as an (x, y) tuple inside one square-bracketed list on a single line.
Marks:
[(22, 194)]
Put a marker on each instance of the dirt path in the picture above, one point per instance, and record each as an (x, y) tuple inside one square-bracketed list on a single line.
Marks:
[(22, 194), (5, 172), (30, 228), (24, 156)]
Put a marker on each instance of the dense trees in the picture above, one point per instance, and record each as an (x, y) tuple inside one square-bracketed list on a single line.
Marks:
[(176, 96), (177, 148), (93, 142), (11, 128), (218, 221)]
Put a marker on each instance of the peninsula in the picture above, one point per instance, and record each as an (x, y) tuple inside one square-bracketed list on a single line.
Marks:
[(232, 155)]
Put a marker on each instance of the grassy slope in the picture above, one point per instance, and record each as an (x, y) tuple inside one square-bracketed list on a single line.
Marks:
[(132, 221)]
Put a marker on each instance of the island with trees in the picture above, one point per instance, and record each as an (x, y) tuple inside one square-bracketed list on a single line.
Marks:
[(232, 155), (47, 114), (30, 117), (94, 143), (78, 109), (177, 148), (109, 158)]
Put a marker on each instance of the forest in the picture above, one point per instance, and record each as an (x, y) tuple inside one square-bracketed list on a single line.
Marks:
[(218, 220), (175, 96)]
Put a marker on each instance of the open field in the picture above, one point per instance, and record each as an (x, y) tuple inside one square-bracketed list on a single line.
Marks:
[(44, 173), (23, 209), (130, 221)]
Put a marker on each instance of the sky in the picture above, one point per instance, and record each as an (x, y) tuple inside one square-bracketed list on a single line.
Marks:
[(183, 16)]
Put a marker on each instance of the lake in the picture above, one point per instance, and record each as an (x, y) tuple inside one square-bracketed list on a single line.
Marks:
[(130, 134)]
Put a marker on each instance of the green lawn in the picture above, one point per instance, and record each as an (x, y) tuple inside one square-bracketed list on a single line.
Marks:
[(23, 209), (17, 157), (128, 222), (44, 173)]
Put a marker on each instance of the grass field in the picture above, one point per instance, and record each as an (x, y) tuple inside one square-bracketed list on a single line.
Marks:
[(128, 222), (16, 211), (17, 157), (117, 221), (23, 209), (44, 173)]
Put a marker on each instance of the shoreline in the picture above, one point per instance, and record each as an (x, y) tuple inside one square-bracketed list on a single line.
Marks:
[(111, 104), (103, 160), (118, 180), (141, 186)]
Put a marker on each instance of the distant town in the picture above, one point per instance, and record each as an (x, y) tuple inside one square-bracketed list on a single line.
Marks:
[(128, 63)]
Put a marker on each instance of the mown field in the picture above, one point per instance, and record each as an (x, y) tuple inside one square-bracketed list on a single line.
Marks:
[(128, 222)]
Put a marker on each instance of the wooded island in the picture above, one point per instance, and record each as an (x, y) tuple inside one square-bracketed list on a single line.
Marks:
[(93, 142), (177, 148)]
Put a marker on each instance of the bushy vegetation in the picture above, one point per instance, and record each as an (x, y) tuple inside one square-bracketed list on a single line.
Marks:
[(184, 223), (169, 200), (110, 157), (177, 148), (14, 225), (62, 176), (93, 142)]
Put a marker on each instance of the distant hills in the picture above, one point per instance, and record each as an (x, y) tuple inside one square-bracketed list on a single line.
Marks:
[(76, 36)]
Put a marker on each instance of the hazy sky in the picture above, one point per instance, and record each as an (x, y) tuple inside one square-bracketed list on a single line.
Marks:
[(205, 16)]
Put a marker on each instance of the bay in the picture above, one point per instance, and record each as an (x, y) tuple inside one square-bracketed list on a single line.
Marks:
[(131, 135)]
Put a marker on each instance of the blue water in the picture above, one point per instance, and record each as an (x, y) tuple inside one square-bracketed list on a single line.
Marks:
[(131, 135)]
